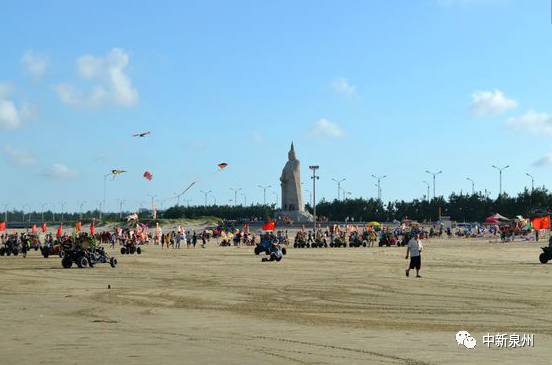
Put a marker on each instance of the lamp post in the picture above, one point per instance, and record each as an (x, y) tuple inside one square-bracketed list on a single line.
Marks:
[(236, 191), (379, 178), (80, 209), (42, 211), (428, 186), (275, 194), (339, 181), (152, 205), (532, 181), (314, 168), (434, 174), (62, 211), (264, 187), (121, 202), (473, 184), (500, 169), (206, 193)]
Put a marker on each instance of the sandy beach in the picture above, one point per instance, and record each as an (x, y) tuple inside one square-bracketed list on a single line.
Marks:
[(317, 306)]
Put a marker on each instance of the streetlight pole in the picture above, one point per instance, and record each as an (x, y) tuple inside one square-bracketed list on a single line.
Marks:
[(236, 191), (500, 169), (314, 178), (434, 174), (62, 209), (379, 178), (152, 205), (121, 202), (339, 181), (80, 209), (275, 198), (206, 193), (264, 191), (427, 185), (532, 181), (472, 183), (42, 211)]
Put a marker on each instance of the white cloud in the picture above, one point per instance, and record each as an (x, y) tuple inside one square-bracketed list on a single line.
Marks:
[(490, 103), (532, 122), (35, 64), (5, 89), (343, 87), (544, 161), (326, 128), (11, 116), (18, 157), (60, 171), (110, 82)]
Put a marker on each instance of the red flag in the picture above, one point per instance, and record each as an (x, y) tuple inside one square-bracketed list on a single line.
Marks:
[(92, 228), (541, 222), (269, 226), (2, 226), (44, 228), (34, 229), (59, 231)]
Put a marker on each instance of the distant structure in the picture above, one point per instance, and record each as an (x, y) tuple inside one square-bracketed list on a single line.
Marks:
[(292, 193)]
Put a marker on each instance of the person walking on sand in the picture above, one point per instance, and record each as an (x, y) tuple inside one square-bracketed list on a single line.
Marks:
[(414, 249)]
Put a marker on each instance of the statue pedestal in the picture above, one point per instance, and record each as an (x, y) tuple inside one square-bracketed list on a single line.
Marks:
[(297, 216)]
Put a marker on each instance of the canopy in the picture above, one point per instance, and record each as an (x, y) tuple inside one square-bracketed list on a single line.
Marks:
[(373, 223)]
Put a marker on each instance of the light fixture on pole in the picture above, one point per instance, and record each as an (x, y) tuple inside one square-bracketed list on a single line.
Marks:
[(42, 211), (236, 191), (500, 169), (379, 178), (434, 174), (472, 183), (80, 209), (206, 193), (264, 191), (314, 168), (428, 186), (339, 181), (532, 181)]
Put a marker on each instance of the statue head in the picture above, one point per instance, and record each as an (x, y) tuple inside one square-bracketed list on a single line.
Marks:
[(291, 153)]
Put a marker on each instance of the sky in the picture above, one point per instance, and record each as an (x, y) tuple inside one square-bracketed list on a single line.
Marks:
[(361, 87)]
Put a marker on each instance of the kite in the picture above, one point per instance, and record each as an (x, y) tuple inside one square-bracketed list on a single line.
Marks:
[(148, 175), (189, 187), (222, 165), (142, 134), (117, 172)]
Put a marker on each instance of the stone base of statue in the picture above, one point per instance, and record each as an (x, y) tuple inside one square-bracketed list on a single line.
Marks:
[(296, 216)]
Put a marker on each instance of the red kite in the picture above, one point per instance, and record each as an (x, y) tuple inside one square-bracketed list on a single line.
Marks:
[(222, 165), (148, 175)]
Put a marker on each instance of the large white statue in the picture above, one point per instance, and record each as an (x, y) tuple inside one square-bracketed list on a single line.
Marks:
[(292, 197)]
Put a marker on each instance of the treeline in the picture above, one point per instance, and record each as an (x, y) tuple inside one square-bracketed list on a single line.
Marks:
[(220, 211), (460, 207)]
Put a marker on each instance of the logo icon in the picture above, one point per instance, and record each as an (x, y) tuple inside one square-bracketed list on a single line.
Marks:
[(464, 338)]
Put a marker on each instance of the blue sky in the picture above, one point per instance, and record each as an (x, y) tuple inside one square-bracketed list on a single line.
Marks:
[(362, 87)]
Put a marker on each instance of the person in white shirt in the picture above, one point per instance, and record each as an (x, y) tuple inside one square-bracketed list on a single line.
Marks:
[(414, 249)]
